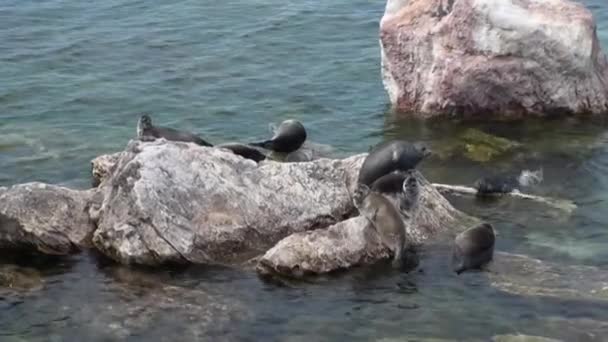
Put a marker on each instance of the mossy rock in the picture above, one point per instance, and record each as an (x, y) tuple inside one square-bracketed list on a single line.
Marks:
[(483, 147)]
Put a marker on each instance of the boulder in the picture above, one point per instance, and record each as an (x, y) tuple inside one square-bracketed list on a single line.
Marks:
[(45, 218), (499, 58), (101, 167), (179, 202), (353, 242)]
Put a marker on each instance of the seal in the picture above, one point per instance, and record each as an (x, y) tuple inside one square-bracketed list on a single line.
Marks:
[(473, 248), (146, 131), (410, 197), (384, 219), (289, 137), (396, 155), (244, 151), (504, 184)]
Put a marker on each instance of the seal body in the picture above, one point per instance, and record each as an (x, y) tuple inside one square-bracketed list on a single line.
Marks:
[(147, 131), (244, 151), (289, 137), (503, 184), (495, 185), (396, 155), (410, 197), (473, 248), (391, 183), (384, 218)]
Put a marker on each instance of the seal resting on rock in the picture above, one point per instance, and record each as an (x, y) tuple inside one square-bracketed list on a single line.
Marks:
[(473, 248), (411, 193), (396, 155), (384, 218), (289, 137), (244, 151), (146, 131)]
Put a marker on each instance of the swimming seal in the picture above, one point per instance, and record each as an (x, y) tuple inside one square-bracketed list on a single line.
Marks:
[(473, 248), (384, 218), (244, 151), (504, 184), (147, 131), (396, 155), (289, 137)]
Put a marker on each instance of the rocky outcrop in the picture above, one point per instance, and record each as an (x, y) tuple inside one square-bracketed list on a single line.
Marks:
[(45, 218), (101, 167), (506, 58), (177, 202), (353, 242)]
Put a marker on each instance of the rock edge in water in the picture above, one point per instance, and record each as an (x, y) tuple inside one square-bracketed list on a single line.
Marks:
[(45, 218)]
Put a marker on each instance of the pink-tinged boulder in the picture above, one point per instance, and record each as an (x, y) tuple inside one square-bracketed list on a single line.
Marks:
[(498, 58)]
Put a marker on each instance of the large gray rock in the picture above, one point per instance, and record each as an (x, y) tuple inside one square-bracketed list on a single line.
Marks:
[(506, 58), (45, 218), (178, 202), (353, 242)]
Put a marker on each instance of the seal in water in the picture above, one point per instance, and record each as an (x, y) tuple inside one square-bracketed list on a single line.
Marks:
[(289, 137), (147, 131), (244, 151), (504, 184), (384, 218), (396, 155), (473, 248)]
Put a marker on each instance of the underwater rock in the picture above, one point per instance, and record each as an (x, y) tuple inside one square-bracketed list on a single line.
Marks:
[(522, 338), (353, 243), (482, 147), (45, 218), (526, 276), (487, 58), (15, 279), (178, 202)]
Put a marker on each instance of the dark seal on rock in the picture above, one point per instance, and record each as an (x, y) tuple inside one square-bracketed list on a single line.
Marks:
[(396, 155), (146, 131), (244, 151), (473, 248), (289, 137)]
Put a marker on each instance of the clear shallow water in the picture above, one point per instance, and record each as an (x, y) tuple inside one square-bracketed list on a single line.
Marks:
[(75, 76)]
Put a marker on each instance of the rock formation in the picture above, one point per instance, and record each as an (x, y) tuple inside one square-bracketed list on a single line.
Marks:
[(45, 218), (177, 202), (492, 58)]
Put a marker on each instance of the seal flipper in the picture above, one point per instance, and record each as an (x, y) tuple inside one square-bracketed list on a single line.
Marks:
[(268, 144)]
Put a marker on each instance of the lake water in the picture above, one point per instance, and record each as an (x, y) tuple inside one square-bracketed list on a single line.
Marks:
[(75, 75)]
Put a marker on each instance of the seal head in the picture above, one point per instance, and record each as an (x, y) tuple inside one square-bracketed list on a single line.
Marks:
[(396, 155), (289, 137)]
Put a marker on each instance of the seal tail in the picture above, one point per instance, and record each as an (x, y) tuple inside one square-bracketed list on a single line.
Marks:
[(267, 144)]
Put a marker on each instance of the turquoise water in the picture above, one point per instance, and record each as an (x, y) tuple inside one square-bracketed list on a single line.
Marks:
[(76, 75)]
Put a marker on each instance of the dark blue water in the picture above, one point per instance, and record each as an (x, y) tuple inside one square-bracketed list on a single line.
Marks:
[(75, 75)]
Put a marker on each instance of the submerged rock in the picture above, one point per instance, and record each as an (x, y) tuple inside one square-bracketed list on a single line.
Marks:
[(526, 276), (353, 243), (177, 202), (483, 147), (522, 338), (45, 218), (19, 279), (502, 58)]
